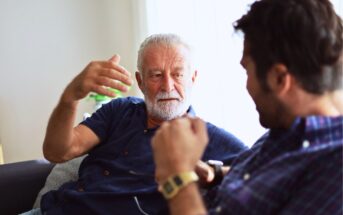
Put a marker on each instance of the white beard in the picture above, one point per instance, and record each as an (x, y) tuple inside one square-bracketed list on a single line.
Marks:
[(167, 110)]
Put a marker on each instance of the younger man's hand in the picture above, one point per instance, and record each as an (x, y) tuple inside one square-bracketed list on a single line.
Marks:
[(178, 145)]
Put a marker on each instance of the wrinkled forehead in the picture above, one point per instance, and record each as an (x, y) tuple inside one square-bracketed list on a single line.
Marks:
[(166, 54)]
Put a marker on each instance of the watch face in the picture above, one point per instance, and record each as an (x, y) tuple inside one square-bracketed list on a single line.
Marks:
[(173, 184), (177, 180), (168, 188)]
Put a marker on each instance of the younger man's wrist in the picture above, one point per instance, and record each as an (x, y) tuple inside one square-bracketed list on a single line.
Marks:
[(173, 184)]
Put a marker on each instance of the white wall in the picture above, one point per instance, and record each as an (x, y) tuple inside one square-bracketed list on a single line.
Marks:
[(43, 45)]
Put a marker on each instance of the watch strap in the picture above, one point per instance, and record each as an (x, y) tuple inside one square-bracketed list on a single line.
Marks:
[(218, 173), (175, 183)]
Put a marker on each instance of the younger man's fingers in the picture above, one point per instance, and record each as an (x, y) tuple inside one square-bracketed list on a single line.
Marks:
[(199, 127)]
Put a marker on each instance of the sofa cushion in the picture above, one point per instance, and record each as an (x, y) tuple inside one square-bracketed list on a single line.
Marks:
[(60, 174)]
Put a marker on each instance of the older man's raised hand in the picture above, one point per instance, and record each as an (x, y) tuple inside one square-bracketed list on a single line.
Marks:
[(98, 77)]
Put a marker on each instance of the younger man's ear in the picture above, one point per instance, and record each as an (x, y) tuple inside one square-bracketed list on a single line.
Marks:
[(279, 79)]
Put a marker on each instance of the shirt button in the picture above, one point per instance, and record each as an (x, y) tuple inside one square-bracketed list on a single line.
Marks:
[(306, 144), (145, 130), (80, 189), (218, 209), (246, 176), (106, 172), (126, 152)]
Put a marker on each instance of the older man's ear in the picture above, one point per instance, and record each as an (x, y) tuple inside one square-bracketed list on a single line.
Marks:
[(194, 75), (139, 79)]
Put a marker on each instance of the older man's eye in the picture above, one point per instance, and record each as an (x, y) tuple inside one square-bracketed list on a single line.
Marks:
[(178, 75), (155, 76)]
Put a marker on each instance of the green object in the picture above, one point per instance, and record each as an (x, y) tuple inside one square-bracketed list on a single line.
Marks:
[(100, 98)]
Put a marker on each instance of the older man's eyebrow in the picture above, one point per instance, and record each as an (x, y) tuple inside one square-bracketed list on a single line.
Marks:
[(178, 68), (154, 70)]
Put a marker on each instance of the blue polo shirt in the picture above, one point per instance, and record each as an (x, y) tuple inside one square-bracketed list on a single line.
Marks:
[(118, 175)]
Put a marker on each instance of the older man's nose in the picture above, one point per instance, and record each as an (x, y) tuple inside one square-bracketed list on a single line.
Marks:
[(168, 84)]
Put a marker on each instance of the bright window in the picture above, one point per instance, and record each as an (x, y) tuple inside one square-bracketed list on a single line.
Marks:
[(219, 96)]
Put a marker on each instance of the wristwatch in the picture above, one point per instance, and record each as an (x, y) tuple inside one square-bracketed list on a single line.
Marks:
[(175, 183), (218, 173)]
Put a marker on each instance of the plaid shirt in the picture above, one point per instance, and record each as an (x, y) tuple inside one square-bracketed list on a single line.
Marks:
[(294, 171)]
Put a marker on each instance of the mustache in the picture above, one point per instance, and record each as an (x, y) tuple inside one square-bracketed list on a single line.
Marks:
[(170, 95)]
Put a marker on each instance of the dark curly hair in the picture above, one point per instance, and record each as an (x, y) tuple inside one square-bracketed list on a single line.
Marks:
[(304, 35)]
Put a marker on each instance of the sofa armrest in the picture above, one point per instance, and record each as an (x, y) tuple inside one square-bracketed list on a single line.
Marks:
[(20, 183)]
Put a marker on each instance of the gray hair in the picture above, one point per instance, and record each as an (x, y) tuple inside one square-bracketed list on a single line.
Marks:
[(161, 39)]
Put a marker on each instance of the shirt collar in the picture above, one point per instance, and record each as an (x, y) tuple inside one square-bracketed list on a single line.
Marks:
[(190, 112), (314, 129), (323, 129)]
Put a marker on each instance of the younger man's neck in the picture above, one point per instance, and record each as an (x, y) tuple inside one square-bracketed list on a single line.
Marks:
[(329, 104)]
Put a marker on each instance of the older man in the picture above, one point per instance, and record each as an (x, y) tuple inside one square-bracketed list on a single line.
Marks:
[(293, 59), (117, 177)]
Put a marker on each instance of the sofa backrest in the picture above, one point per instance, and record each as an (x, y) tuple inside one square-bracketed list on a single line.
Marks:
[(20, 183)]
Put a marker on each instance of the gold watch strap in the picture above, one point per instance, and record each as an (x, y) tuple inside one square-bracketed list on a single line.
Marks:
[(175, 183)]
